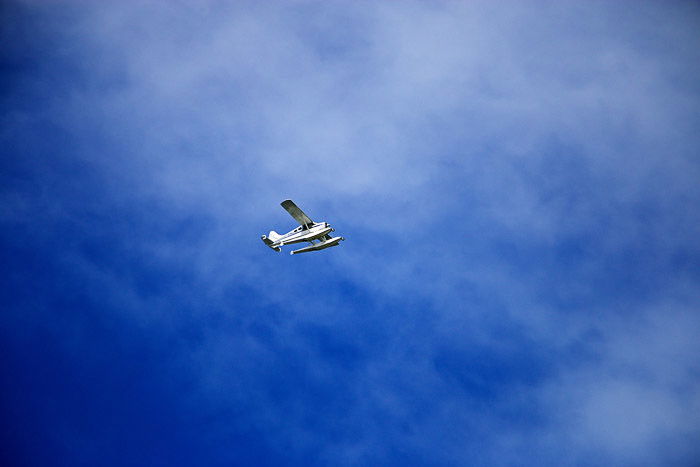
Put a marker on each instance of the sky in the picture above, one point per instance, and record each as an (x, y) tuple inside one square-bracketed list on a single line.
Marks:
[(517, 183)]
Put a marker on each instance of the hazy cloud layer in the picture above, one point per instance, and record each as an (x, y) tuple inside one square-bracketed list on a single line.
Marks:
[(517, 183)]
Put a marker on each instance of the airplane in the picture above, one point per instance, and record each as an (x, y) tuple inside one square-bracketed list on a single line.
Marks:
[(308, 231)]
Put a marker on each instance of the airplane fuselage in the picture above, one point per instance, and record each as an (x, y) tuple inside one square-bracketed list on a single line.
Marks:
[(300, 234)]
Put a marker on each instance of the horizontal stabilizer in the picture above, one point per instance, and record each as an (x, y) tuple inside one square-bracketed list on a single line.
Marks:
[(270, 243)]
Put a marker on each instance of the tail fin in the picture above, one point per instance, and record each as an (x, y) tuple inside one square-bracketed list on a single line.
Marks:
[(270, 241)]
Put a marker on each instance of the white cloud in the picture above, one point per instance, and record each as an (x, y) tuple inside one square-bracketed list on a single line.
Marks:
[(434, 134)]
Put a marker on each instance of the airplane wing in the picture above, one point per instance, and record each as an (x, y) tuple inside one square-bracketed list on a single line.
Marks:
[(296, 213)]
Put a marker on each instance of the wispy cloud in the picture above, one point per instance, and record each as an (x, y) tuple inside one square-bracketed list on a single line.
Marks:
[(517, 184)]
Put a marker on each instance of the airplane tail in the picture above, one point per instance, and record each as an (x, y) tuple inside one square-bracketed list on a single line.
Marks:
[(271, 239)]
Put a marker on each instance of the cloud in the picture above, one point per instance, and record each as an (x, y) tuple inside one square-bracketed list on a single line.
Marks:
[(517, 186)]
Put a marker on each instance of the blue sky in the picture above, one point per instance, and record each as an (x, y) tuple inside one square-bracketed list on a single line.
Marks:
[(517, 183)]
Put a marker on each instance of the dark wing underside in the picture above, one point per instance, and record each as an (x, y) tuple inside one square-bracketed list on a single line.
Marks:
[(296, 213)]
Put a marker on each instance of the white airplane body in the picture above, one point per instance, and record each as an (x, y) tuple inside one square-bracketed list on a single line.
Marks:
[(308, 231)]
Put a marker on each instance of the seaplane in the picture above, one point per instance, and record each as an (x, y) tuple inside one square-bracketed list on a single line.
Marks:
[(317, 234)]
